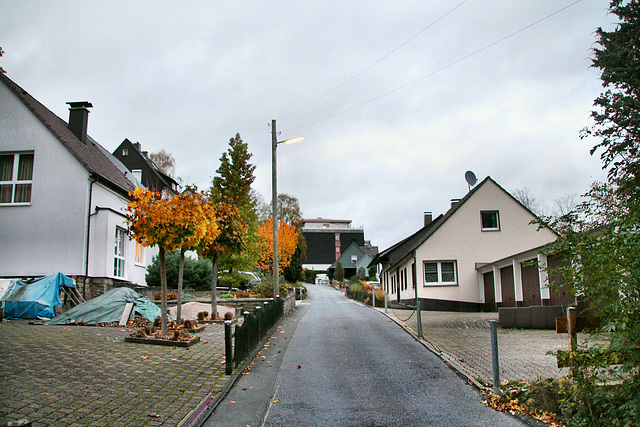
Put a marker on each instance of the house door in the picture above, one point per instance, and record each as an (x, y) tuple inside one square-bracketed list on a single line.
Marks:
[(530, 286), (489, 292), (508, 287)]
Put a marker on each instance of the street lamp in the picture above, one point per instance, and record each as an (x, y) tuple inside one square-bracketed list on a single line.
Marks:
[(274, 202)]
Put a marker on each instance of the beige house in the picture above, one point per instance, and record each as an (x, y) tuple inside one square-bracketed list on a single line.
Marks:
[(443, 257)]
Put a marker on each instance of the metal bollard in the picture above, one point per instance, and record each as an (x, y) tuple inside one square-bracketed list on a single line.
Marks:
[(494, 357), (228, 348)]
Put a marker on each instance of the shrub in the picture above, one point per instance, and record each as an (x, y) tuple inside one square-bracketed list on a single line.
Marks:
[(264, 289)]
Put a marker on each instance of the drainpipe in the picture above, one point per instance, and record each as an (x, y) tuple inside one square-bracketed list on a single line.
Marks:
[(415, 284), (92, 179)]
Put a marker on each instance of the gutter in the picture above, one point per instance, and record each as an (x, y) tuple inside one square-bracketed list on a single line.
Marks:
[(92, 180)]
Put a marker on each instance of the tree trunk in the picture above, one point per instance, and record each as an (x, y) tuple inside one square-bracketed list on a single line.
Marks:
[(163, 291), (180, 275), (214, 285)]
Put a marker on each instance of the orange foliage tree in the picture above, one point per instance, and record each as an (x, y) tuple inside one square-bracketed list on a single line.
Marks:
[(196, 221), (170, 224), (287, 244)]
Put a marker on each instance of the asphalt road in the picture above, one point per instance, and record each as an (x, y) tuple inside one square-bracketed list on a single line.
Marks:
[(336, 362)]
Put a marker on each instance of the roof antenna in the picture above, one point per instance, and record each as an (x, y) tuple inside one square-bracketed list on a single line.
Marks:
[(471, 179)]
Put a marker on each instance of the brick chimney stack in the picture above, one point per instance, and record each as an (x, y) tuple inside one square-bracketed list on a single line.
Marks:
[(79, 119)]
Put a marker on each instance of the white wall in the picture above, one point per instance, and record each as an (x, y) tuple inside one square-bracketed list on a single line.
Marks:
[(461, 239), (48, 235)]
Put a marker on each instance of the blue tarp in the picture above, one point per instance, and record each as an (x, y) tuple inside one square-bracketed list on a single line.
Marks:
[(30, 300)]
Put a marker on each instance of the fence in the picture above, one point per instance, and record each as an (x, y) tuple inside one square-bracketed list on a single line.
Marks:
[(249, 334)]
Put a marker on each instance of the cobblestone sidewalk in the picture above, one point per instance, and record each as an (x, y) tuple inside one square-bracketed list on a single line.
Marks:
[(463, 340), (82, 375)]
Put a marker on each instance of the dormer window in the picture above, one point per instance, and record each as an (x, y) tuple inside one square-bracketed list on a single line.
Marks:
[(354, 259), (490, 220)]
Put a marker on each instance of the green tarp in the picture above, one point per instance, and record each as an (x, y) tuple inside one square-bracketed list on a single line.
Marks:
[(108, 308)]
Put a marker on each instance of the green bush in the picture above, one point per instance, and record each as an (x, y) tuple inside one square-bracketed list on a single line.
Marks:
[(197, 273), (264, 289)]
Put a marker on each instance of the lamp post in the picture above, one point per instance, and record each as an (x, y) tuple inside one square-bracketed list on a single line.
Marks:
[(274, 201)]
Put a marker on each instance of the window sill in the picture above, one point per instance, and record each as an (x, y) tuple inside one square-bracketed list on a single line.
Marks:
[(439, 285), (14, 204)]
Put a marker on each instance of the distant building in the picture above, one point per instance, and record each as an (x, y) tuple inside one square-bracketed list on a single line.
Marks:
[(328, 239), (145, 171)]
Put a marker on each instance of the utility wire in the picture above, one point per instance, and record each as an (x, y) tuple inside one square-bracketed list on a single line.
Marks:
[(376, 62), (439, 69)]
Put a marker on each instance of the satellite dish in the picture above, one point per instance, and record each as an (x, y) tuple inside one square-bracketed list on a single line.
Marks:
[(471, 179)]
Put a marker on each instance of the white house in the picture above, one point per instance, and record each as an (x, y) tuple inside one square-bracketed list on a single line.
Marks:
[(441, 259), (62, 198)]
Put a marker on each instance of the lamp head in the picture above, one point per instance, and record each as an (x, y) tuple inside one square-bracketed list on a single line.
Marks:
[(292, 140)]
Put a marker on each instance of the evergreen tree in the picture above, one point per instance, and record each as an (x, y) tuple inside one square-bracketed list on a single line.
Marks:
[(339, 273)]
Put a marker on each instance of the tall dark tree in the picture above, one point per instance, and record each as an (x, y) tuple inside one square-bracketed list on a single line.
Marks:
[(231, 194), (602, 237), (617, 117)]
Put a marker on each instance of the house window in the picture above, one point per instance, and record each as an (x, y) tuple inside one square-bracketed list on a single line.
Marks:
[(139, 253), (490, 220), (125, 152), (119, 252), (16, 174), (440, 273), (354, 259)]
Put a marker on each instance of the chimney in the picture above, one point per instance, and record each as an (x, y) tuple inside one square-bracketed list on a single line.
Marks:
[(79, 119), (454, 202), (138, 146), (428, 217)]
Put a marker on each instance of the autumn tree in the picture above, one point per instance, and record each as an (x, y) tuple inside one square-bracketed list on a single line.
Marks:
[(147, 215), (287, 244), (195, 219), (288, 211)]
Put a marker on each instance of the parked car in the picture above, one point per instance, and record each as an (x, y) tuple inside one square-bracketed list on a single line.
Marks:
[(253, 278)]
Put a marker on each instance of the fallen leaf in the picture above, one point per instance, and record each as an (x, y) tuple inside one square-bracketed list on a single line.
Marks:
[(144, 357), (244, 388), (205, 342), (299, 366), (276, 401), (154, 415), (233, 401)]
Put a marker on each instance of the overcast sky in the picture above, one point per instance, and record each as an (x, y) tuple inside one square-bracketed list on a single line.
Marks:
[(397, 99)]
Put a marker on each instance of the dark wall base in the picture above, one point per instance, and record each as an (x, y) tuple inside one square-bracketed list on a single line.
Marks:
[(444, 305)]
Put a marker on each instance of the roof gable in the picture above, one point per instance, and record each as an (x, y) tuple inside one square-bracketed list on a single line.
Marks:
[(345, 258), (152, 177), (90, 155), (406, 247)]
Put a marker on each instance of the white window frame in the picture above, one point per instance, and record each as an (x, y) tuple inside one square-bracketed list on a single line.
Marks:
[(497, 215), (119, 253), (439, 272), (14, 181)]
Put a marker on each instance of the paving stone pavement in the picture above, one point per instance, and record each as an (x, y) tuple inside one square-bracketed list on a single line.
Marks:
[(89, 376), (463, 340)]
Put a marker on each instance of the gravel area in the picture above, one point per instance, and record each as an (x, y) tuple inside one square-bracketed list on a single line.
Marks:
[(190, 310)]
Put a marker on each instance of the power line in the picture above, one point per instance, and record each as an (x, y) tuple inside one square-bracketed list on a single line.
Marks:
[(439, 69), (376, 62)]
